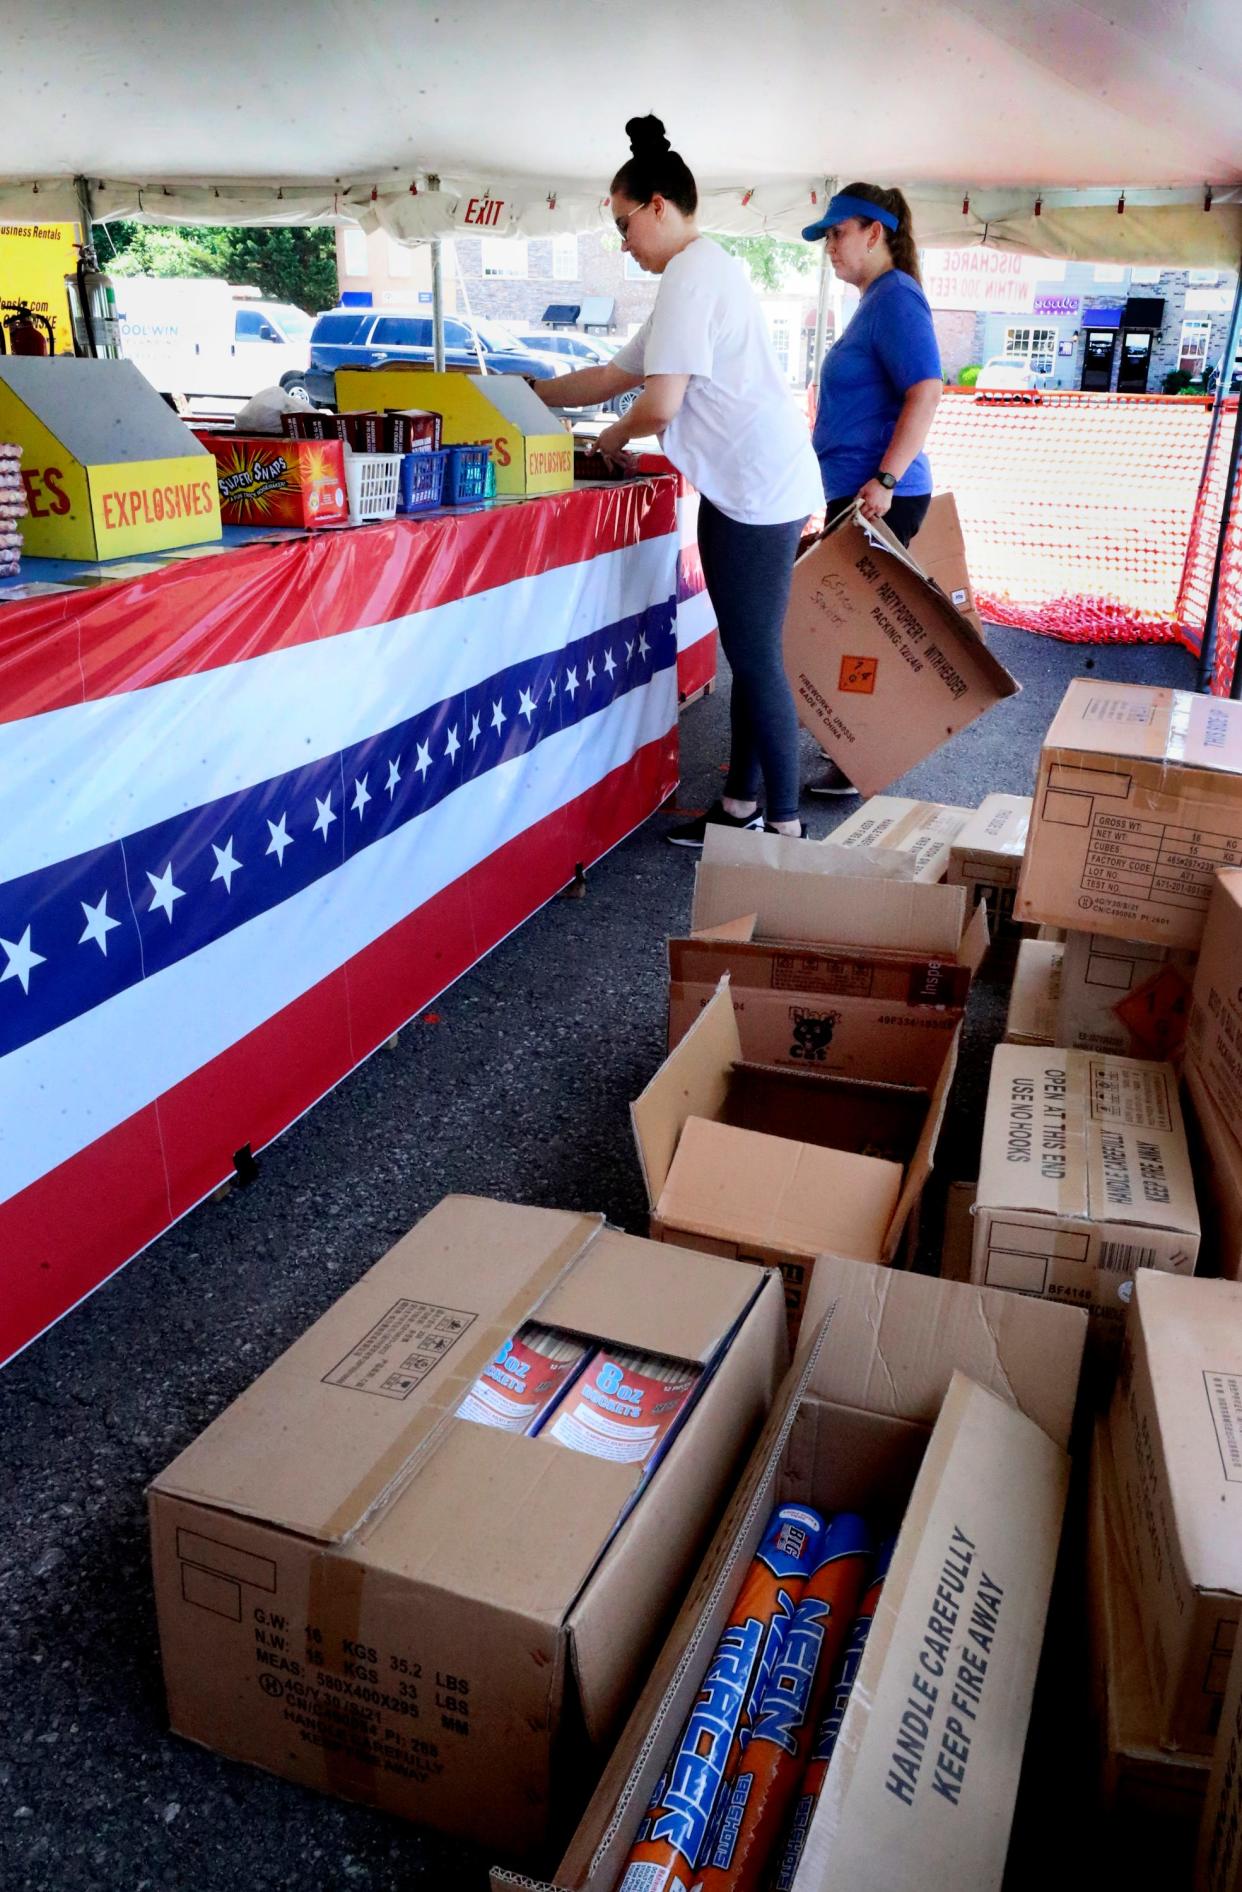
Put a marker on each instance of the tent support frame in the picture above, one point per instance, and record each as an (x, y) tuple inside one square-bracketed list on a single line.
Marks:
[(1207, 651)]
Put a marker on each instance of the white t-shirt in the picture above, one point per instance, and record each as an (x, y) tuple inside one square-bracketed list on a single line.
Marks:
[(738, 436)]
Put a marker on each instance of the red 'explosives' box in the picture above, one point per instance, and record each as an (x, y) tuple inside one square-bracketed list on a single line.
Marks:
[(269, 481), (527, 1376), (412, 430), (624, 1405)]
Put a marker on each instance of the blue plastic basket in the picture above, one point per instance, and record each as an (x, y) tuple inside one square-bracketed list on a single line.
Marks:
[(467, 478), (422, 481)]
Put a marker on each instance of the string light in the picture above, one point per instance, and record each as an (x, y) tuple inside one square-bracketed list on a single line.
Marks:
[(1207, 197), (1121, 205), (966, 205), (1039, 206)]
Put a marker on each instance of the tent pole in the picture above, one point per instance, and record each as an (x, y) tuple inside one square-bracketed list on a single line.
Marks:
[(1207, 651), (437, 303), (821, 316), (1211, 626)]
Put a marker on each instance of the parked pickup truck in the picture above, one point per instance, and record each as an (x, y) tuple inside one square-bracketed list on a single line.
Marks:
[(363, 338)]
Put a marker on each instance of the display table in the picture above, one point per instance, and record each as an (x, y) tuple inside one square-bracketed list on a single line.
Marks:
[(258, 808)]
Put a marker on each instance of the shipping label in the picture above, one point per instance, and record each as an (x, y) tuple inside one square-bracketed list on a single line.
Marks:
[(402, 1348)]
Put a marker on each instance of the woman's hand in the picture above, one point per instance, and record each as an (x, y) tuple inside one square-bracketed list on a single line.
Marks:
[(610, 445), (874, 500)]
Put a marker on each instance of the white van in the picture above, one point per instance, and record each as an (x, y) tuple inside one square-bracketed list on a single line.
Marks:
[(208, 343)]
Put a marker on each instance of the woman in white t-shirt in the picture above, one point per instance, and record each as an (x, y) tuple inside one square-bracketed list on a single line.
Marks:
[(713, 393)]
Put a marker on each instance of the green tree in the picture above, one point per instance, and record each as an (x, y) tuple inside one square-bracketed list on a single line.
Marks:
[(771, 259), (288, 265)]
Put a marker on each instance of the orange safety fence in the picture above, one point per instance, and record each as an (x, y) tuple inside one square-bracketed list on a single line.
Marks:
[(1082, 514), (1197, 576)]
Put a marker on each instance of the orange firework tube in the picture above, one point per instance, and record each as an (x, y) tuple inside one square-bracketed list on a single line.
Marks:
[(766, 1782), (674, 1832), (830, 1727), (524, 1379)]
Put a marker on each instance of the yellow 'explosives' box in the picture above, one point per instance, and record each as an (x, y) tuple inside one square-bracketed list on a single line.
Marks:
[(532, 451), (108, 468)]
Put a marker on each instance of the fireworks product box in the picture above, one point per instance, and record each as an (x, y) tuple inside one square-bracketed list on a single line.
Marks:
[(1156, 1794), (367, 1593), (829, 970), (942, 1411), (1138, 804), (781, 1166), (920, 833), (1123, 996), (1084, 1180), (271, 480), (986, 855), (1214, 1039), (1032, 1014), (1175, 1425), (884, 669)]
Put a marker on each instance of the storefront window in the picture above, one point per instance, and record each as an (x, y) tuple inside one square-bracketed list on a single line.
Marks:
[(565, 258), (1036, 346), (1196, 340)]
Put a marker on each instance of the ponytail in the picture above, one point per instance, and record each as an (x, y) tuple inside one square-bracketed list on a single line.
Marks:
[(655, 169), (901, 244)]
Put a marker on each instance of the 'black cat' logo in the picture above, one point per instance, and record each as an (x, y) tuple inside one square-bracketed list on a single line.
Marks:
[(812, 1035)]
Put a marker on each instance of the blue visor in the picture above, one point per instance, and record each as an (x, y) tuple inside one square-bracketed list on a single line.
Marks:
[(844, 206)]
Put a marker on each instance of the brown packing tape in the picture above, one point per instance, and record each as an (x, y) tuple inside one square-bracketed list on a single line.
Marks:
[(391, 1473), (334, 1604)]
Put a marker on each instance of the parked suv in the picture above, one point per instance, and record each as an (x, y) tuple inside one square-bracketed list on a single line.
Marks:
[(362, 338)]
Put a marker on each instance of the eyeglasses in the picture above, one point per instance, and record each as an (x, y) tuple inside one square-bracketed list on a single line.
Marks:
[(623, 223)]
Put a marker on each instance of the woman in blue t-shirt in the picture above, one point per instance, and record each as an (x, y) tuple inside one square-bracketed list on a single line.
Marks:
[(879, 386)]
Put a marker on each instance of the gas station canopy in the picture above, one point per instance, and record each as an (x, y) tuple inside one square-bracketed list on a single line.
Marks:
[(1068, 128)]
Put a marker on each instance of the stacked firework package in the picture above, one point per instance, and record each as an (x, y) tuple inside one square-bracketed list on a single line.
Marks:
[(842, 1704), (12, 510), (427, 1559)]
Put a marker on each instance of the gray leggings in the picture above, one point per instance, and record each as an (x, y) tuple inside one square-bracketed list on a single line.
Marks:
[(747, 571)]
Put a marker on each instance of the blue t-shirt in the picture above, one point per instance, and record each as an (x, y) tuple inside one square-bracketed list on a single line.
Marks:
[(888, 346)]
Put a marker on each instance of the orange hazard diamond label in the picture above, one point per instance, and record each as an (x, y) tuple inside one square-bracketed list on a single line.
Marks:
[(858, 676), (1156, 1013)]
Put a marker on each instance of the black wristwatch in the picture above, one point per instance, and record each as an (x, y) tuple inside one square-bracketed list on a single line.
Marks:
[(887, 481)]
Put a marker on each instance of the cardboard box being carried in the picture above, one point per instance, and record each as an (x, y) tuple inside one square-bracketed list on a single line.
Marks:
[(1033, 996), (532, 449), (781, 1166), (1176, 1430), (986, 855), (1138, 802), (883, 668), (1158, 1794), (364, 1593), (1219, 1866), (1214, 1038), (971, 1465), (1126, 997), (922, 832), (108, 468), (1216, 1158), (828, 970), (942, 554), (1085, 1178)]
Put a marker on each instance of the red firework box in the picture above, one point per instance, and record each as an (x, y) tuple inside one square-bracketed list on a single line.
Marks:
[(624, 1405), (271, 481)]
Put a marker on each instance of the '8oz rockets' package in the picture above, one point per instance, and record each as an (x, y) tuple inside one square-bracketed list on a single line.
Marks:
[(624, 1405), (523, 1381)]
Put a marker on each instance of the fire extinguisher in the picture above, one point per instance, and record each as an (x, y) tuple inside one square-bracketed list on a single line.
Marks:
[(92, 307), (28, 332)]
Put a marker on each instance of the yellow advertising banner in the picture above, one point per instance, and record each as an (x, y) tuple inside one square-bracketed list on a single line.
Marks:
[(35, 258)]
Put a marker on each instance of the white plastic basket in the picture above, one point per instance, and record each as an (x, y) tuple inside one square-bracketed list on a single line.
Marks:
[(373, 481)]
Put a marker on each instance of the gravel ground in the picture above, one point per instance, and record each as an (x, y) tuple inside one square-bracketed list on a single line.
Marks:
[(517, 1085)]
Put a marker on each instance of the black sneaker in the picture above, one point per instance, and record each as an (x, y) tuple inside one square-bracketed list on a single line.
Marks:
[(833, 781), (690, 833), (769, 829)]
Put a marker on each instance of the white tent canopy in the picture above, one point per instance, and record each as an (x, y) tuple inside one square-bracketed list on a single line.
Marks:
[(430, 118)]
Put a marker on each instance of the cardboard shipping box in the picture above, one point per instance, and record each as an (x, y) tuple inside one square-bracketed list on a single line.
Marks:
[(986, 855), (1216, 1158), (1214, 1037), (970, 1465), (1127, 997), (1085, 1178), (532, 448), (883, 668), (780, 1166), (828, 970), (1032, 1015), (942, 555), (1219, 1865), (363, 1593), (1150, 1788), (922, 832), (1138, 803), (1175, 1424)]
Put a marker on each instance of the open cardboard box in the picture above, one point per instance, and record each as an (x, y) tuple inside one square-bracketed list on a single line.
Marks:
[(779, 1166), (944, 1409), (829, 969), (921, 833), (884, 669), (366, 1594)]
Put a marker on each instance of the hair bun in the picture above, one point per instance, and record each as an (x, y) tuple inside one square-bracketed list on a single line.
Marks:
[(647, 137)]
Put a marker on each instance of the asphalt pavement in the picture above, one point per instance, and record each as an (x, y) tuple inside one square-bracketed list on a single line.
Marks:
[(516, 1085)]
